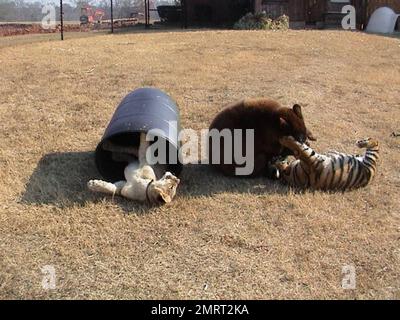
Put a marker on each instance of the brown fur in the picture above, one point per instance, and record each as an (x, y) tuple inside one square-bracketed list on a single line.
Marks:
[(270, 121)]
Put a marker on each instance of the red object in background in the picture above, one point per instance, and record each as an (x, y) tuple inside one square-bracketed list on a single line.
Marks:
[(90, 15)]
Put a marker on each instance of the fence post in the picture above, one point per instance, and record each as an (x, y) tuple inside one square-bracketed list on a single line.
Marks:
[(62, 20), (112, 17)]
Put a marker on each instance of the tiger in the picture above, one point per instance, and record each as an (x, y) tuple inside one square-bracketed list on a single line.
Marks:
[(334, 171)]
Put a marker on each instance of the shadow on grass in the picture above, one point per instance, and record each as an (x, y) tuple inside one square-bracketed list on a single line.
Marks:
[(60, 179), (203, 180)]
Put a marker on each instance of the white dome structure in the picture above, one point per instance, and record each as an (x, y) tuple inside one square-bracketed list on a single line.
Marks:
[(383, 20)]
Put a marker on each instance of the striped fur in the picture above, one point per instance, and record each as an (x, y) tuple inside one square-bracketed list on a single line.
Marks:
[(333, 171)]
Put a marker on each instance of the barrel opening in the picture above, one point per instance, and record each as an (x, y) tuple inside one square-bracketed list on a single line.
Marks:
[(113, 170)]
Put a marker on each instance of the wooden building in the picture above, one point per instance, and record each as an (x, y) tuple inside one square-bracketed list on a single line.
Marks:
[(322, 13), (302, 13)]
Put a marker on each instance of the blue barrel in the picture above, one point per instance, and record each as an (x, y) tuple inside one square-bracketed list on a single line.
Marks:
[(140, 111)]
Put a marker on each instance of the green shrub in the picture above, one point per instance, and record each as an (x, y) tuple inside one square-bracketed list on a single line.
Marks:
[(261, 21)]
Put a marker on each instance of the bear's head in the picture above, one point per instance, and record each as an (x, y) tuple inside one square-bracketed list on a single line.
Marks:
[(292, 124)]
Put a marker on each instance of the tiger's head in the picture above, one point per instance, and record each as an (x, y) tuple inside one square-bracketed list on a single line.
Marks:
[(163, 191)]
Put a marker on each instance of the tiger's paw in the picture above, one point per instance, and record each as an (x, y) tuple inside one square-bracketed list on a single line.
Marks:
[(98, 186), (287, 141), (292, 144)]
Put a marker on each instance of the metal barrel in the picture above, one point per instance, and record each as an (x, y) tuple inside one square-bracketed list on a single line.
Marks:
[(140, 111)]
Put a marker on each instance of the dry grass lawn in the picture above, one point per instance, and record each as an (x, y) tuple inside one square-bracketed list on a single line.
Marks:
[(222, 237)]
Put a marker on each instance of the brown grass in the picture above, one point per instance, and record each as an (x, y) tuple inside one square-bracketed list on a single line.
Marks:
[(222, 237)]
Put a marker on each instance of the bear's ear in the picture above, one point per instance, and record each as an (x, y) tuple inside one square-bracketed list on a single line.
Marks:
[(297, 111)]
